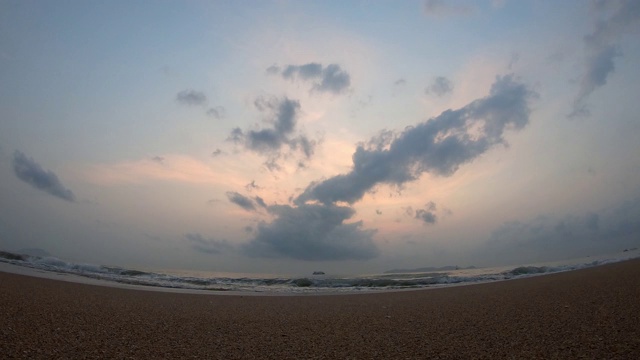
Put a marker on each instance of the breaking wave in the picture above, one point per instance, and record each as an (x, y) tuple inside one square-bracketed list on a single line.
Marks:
[(308, 284)]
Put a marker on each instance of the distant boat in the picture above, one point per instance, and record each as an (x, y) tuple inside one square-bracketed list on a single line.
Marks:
[(318, 273)]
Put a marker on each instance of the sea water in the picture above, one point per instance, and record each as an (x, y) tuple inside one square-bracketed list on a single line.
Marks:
[(223, 283)]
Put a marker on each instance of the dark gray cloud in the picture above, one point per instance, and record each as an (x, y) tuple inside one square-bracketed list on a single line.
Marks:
[(312, 232), (317, 231), (241, 200), (27, 170), (438, 146), (246, 202), (260, 202), (614, 19), (446, 8), (440, 86), (427, 215), (208, 246), (606, 230), (332, 78), (400, 82), (284, 119), (270, 141), (191, 97)]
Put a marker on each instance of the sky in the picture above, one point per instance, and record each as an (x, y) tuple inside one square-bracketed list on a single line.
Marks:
[(285, 137)]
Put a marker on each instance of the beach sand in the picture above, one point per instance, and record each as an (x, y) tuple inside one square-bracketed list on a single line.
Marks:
[(592, 313)]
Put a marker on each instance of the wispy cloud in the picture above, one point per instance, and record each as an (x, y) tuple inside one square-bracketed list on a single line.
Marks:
[(29, 171), (614, 20), (400, 82), (174, 168), (217, 112), (440, 86), (191, 98)]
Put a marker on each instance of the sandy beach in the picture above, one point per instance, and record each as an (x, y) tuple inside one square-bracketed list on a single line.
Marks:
[(591, 313)]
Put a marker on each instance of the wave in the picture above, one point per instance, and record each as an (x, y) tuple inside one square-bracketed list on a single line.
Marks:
[(311, 284)]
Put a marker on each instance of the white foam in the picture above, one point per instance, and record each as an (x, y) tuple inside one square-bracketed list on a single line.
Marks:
[(54, 268)]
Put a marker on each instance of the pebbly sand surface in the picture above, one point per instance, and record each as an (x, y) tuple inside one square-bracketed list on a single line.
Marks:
[(586, 314)]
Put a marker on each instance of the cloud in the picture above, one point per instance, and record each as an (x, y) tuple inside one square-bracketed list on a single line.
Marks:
[(27, 170), (513, 60), (273, 70), (252, 186), (439, 145), (398, 85), (241, 200), (208, 246), (199, 98), (260, 201), (318, 231), (270, 141), (615, 18), (216, 152), (400, 82), (313, 232), (332, 78), (245, 202), (446, 8), (609, 229), (158, 159), (427, 215), (440, 86), (191, 98), (217, 112)]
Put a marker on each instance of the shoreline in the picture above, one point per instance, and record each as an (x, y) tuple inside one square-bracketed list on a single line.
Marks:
[(320, 291), (588, 313)]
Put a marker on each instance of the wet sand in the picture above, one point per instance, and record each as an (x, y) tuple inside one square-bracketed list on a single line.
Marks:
[(590, 313)]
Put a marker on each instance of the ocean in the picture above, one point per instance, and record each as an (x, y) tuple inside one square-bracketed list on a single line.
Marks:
[(229, 283)]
